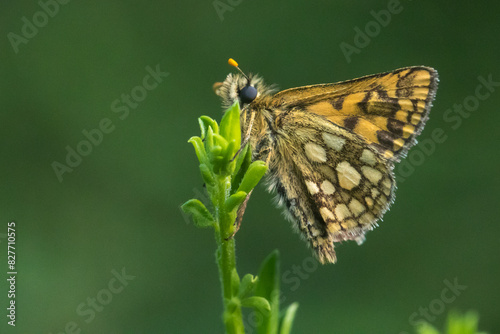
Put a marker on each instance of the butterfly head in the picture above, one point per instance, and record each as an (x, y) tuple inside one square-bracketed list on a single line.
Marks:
[(241, 88)]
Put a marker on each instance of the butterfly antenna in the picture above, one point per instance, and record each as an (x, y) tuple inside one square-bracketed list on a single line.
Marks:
[(233, 63)]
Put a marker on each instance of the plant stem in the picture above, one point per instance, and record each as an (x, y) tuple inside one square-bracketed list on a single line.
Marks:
[(226, 259)]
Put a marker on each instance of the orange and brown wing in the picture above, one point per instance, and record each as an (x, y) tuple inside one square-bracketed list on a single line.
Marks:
[(387, 110)]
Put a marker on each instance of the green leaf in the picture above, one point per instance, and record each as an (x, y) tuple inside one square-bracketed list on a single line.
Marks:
[(268, 287), (247, 285), (207, 175), (199, 148), (268, 276), (260, 304), (287, 321), (215, 152), (234, 201), (228, 155), (255, 172), (200, 214), (243, 161), (209, 140), (245, 156), (235, 282), (230, 125), (456, 323), (232, 304), (218, 152), (221, 141), (425, 328), (206, 122), (462, 324)]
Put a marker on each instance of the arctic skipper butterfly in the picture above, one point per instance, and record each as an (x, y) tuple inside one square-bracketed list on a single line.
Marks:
[(331, 148)]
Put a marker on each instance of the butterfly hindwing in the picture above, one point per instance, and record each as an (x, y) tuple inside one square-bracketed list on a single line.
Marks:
[(333, 186)]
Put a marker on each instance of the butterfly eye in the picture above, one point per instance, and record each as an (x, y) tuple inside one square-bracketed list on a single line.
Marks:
[(248, 94)]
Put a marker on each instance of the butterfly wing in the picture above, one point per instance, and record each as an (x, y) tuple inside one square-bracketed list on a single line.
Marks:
[(334, 148), (333, 186), (387, 110)]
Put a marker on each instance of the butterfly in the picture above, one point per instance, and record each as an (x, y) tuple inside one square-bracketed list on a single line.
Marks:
[(331, 148)]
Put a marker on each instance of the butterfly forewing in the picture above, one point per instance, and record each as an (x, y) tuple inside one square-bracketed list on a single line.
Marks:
[(388, 110)]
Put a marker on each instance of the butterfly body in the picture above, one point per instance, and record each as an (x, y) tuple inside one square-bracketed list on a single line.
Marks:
[(331, 148)]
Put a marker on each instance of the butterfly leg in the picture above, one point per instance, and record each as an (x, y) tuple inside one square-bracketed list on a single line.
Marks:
[(239, 216)]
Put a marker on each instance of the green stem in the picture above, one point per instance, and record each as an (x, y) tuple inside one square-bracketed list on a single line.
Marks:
[(226, 259)]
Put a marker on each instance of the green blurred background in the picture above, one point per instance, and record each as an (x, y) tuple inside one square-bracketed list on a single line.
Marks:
[(119, 208)]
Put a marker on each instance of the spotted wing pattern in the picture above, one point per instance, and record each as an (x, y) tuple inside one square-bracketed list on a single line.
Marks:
[(332, 185)]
